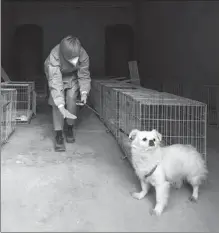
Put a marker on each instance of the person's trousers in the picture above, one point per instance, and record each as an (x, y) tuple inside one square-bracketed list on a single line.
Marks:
[(71, 95)]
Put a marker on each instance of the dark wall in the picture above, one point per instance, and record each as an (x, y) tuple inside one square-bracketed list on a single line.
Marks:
[(178, 41), (7, 30)]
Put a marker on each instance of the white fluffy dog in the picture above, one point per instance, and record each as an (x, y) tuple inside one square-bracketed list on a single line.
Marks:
[(162, 166)]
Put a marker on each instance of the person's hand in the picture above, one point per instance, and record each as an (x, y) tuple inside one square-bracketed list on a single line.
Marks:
[(84, 98), (66, 113)]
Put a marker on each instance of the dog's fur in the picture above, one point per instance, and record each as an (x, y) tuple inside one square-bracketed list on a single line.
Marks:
[(174, 164)]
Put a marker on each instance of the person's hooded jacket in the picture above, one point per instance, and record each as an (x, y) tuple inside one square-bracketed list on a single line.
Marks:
[(61, 74)]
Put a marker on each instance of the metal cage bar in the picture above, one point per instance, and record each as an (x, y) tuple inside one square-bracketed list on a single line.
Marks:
[(8, 103), (110, 107), (96, 94), (178, 119), (26, 99)]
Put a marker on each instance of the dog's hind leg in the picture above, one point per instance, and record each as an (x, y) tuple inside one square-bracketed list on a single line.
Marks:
[(144, 190), (194, 197), (162, 194), (195, 182)]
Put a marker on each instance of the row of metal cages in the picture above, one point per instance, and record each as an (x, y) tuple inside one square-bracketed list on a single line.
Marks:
[(17, 106), (8, 111), (26, 99), (124, 107)]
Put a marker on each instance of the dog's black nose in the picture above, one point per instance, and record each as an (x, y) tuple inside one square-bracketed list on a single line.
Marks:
[(151, 142)]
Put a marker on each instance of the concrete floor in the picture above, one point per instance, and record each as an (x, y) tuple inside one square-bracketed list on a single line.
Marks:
[(87, 188)]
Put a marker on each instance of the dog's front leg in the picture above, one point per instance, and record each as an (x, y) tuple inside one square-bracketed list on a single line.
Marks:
[(162, 194), (144, 190)]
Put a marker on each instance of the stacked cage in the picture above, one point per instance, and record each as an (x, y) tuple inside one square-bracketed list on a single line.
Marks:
[(122, 116), (96, 94), (115, 108), (110, 104), (8, 102), (178, 119), (26, 99)]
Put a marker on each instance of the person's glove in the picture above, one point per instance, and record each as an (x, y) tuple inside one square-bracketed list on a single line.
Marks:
[(66, 114), (84, 98)]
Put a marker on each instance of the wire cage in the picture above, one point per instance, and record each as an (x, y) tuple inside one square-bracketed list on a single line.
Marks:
[(8, 102), (97, 94), (178, 119), (26, 99), (123, 117), (111, 104), (211, 98), (107, 98)]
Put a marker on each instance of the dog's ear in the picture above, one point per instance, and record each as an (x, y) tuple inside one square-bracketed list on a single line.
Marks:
[(133, 134), (158, 135)]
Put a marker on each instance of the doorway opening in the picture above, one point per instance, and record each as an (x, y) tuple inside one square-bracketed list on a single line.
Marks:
[(28, 54)]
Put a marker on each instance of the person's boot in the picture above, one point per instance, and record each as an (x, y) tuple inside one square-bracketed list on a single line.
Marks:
[(59, 141), (70, 137)]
